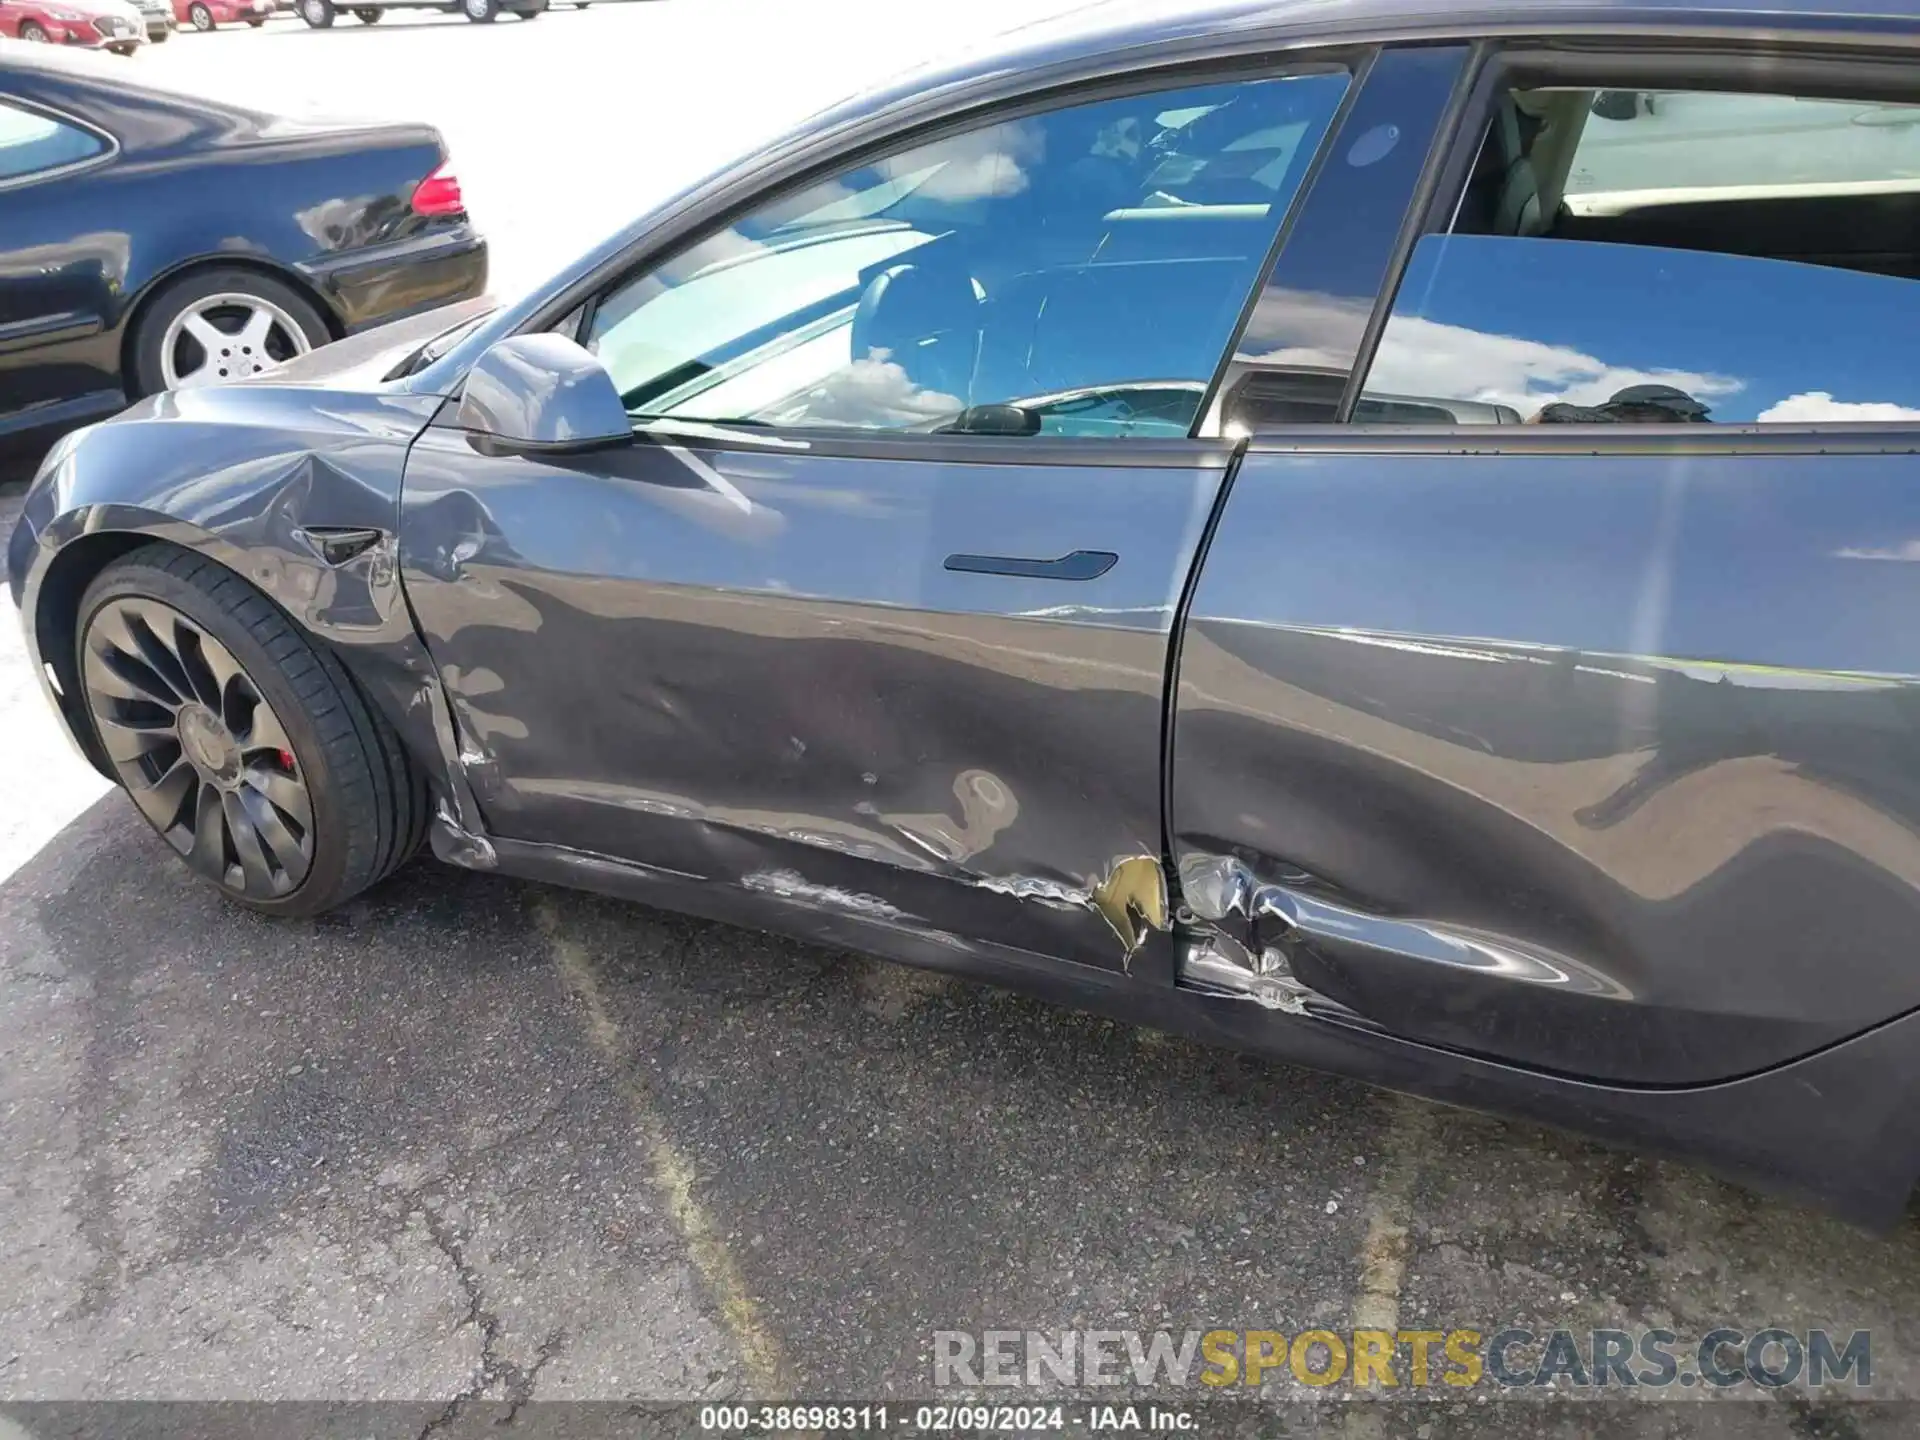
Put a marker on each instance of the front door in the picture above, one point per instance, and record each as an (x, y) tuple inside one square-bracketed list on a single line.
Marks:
[(1578, 727), (874, 614)]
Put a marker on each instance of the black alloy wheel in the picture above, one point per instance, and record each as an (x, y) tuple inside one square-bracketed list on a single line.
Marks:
[(198, 748), (246, 744)]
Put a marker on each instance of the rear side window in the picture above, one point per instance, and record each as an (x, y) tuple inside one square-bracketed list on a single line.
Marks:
[(1667, 258), (31, 143), (1076, 272)]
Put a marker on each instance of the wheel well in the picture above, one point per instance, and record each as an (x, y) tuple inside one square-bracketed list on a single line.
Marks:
[(56, 622), (130, 332)]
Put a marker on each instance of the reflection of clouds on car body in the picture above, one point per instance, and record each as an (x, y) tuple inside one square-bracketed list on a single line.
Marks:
[(874, 392), (986, 164), (1421, 357), (1816, 407), (1429, 357), (1297, 329)]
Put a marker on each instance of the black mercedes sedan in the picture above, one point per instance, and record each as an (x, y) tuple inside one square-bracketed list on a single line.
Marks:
[(1383, 532), (153, 241)]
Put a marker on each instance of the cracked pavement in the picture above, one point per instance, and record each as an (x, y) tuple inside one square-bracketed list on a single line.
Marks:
[(471, 1146)]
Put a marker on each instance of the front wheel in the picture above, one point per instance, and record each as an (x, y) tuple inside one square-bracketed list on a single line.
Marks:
[(248, 749), (317, 13), (481, 12), (200, 17), (31, 30)]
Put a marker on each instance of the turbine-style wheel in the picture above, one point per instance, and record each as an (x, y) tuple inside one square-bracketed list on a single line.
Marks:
[(198, 748), (246, 746)]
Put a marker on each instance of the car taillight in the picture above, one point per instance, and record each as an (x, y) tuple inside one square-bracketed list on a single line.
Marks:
[(439, 194)]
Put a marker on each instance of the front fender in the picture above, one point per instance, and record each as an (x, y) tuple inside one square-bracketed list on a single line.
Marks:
[(296, 490)]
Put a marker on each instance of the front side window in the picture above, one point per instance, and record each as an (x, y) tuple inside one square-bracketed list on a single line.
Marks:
[(1631, 257), (31, 143), (1078, 272)]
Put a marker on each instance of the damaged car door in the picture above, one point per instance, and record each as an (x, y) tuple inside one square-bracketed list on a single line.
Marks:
[(872, 615), (1585, 744)]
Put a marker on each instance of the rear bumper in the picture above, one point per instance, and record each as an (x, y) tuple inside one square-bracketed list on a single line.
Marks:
[(372, 286)]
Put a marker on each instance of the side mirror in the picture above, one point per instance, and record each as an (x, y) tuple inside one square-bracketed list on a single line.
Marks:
[(542, 393), (993, 420)]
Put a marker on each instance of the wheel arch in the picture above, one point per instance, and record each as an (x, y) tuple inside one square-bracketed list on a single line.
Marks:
[(79, 562), (157, 285), (56, 622)]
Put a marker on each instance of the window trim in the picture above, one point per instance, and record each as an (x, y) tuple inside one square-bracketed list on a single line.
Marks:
[(1206, 420), (1444, 165), (1850, 437), (1346, 58), (1681, 62), (109, 153)]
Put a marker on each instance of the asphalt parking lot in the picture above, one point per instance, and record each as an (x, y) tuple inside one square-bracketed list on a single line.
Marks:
[(476, 1145)]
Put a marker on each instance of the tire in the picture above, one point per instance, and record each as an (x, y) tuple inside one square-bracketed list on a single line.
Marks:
[(367, 803), (368, 16), (32, 30), (151, 329), (201, 18), (481, 12), (317, 13)]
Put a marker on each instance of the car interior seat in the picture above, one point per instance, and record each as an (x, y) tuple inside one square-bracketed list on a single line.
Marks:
[(1518, 210), (924, 316)]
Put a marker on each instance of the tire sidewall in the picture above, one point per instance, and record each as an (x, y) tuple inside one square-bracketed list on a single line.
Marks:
[(150, 330), (331, 843)]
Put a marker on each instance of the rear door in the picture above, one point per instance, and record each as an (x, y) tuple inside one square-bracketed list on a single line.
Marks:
[(1592, 742), (874, 615)]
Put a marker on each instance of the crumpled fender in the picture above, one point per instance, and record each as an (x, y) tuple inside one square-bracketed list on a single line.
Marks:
[(295, 490)]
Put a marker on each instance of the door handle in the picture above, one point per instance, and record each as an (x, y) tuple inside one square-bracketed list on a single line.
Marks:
[(1080, 565)]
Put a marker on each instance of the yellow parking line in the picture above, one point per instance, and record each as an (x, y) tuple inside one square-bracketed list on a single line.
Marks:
[(673, 1176), (1383, 1253)]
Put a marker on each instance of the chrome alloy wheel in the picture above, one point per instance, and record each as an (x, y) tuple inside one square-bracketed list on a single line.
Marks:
[(198, 748), (227, 337)]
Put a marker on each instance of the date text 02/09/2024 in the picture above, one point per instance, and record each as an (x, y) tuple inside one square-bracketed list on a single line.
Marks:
[(939, 1419)]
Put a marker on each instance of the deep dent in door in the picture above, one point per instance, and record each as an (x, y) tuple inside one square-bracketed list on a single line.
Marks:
[(754, 673), (1610, 843)]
